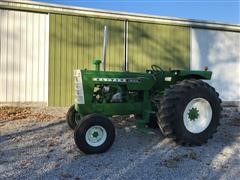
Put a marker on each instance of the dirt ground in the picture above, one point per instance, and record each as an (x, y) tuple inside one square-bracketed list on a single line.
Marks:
[(36, 143)]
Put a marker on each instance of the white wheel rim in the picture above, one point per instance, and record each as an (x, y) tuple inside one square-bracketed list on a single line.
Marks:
[(197, 122), (96, 136)]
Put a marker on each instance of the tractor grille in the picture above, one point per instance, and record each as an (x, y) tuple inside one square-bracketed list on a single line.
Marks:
[(79, 87)]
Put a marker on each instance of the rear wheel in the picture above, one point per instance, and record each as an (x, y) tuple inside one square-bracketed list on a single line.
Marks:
[(71, 117), (95, 134), (189, 112)]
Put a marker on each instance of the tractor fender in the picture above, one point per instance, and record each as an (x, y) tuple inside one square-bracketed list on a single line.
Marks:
[(195, 75)]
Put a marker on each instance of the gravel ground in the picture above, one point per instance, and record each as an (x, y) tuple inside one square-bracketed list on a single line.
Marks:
[(43, 148)]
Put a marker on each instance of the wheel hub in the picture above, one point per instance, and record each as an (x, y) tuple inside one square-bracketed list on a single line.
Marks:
[(193, 114), (96, 136)]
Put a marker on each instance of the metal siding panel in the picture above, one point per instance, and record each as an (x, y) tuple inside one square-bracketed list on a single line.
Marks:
[(46, 57), (163, 45), (85, 43), (74, 64), (35, 57), (41, 56), (1, 58), (52, 49), (220, 51), (63, 59), (146, 45), (57, 61), (69, 61), (76, 43), (79, 34), (22, 93), (136, 51), (3, 55), (130, 48), (22, 56), (42, 81), (99, 41), (116, 59), (91, 41), (16, 60), (141, 58), (110, 50), (10, 52), (29, 58)]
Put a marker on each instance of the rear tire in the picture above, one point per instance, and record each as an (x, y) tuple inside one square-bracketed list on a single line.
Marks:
[(189, 112), (94, 134), (71, 117)]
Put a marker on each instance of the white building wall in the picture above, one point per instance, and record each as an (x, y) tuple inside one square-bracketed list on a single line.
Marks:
[(220, 51), (24, 41)]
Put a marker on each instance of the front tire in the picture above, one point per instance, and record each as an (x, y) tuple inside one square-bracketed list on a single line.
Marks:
[(95, 134), (189, 112), (71, 117)]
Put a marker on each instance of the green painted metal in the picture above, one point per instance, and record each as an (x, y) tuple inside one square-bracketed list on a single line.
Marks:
[(196, 74), (74, 42), (122, 93), (193, 114), (97, 63), (164, 45)]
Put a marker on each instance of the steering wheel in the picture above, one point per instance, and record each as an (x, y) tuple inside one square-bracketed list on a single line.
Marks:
[(156, 68)]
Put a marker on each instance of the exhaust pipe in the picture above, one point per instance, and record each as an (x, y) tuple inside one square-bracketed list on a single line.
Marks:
[(105, 42)]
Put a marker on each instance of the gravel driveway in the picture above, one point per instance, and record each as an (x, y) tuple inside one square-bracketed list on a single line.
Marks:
[(44, 149)]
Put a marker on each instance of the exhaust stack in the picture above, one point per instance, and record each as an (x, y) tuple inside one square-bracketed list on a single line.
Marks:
[(105, 42)]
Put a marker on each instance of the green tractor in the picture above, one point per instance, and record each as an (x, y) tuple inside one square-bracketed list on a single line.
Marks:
[(184, 107)]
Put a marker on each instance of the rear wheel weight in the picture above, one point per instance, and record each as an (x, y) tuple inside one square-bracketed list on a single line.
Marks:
[(189, 112), (95, 134)]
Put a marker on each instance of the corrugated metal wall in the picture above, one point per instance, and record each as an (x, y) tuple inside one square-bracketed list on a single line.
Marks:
[(24, 43), (164, 45), (220, 51), (74, 42)]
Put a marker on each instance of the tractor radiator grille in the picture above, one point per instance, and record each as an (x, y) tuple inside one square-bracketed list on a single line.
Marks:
[(79, 87)]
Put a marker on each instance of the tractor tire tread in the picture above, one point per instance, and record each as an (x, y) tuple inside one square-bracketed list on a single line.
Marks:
[(167, 116), (70, 117)]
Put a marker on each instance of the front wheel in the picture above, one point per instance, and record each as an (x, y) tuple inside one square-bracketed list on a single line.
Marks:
[(95, 134), (71, 117), (189, 112)]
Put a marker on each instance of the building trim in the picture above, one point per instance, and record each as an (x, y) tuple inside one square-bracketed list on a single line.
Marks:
[(72, 10)]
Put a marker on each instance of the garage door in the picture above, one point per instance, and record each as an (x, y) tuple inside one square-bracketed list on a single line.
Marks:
[(23, 56), (220, 51)]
